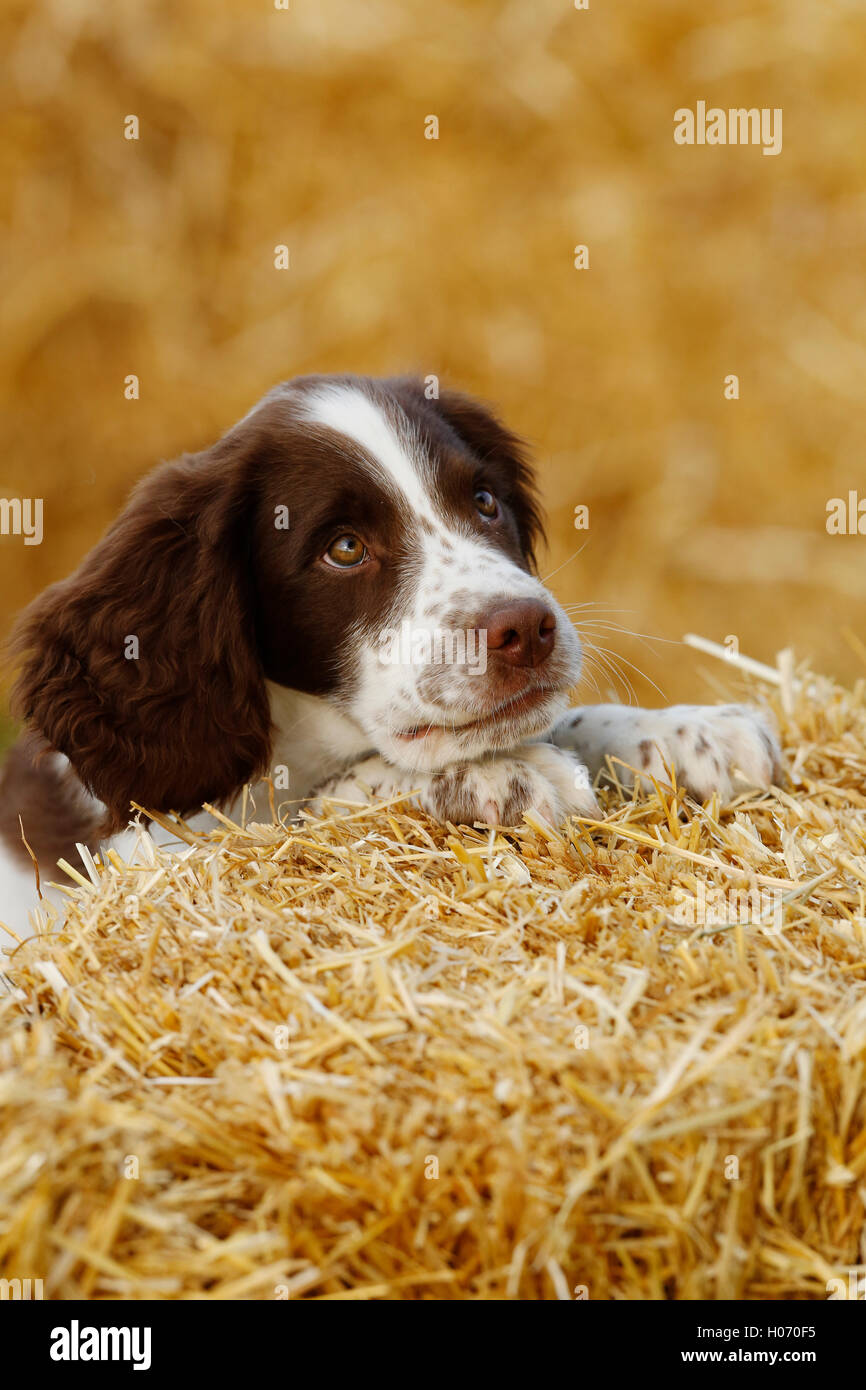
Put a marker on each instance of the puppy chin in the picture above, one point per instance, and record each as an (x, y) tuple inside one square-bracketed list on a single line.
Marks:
[(444, 745)]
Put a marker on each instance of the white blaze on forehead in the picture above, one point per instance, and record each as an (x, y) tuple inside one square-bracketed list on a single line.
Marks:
[(350, 412)]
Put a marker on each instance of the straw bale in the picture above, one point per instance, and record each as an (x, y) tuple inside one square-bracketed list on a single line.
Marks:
[(369, 1056)]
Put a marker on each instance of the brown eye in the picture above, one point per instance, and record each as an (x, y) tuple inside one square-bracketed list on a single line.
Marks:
[(486, 503), (345, 552)]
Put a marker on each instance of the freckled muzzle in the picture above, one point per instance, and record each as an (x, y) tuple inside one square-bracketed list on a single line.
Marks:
[(529, 647), (455, 708)]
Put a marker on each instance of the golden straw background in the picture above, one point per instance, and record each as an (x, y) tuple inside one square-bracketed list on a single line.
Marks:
[(455, 257), (534, 1010)]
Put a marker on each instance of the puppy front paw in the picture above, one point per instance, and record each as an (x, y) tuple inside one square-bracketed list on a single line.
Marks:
[(498, 790), (740, 737), (711, 748)]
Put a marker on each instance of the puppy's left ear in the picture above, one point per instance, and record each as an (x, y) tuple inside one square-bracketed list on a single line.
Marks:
[(142, 666), (489, 439)]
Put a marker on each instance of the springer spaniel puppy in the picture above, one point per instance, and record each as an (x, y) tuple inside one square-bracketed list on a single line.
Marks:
[(342, 589)]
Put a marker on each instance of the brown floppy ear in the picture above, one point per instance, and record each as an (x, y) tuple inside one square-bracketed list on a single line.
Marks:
[(142, 666), (489, 439)]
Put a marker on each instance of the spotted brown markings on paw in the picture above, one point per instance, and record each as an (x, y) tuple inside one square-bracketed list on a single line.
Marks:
[(645, 749), (772, 753), (516, 799), (681, 731), (701, 746), (448, 794)]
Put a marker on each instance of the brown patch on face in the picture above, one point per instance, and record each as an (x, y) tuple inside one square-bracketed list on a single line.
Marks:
[(306, 610), (469, 447)]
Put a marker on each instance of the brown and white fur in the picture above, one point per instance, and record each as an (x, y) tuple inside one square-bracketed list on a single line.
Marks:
[(231, 622)]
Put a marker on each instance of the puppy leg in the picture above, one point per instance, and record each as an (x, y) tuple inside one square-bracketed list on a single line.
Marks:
[(495, 789), (712, 748)]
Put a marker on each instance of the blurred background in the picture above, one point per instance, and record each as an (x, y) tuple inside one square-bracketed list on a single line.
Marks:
[(306, 127)]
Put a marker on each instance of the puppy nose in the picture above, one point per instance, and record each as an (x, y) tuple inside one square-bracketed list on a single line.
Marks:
[(523, 633)]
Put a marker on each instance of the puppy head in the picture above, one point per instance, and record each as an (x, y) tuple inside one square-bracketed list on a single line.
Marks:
[(421, 527), (350, 539)]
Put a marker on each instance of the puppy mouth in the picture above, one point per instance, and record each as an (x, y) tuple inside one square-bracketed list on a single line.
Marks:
[(508, 709)]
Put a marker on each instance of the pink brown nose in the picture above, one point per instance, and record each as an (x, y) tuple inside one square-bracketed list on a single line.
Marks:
[(522, 633)]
